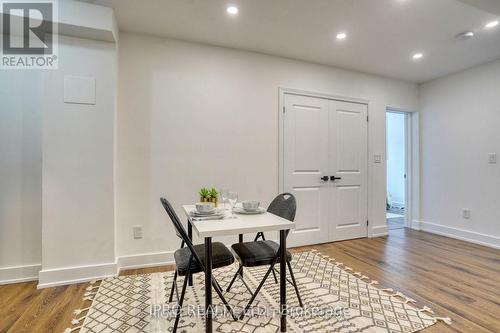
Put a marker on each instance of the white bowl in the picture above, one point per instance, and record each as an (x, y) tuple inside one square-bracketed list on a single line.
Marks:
[(205, 207), (250, 205)]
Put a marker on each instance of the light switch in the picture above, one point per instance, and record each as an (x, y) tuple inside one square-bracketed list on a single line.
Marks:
[(377, 158), (492, 158), (79, 89)]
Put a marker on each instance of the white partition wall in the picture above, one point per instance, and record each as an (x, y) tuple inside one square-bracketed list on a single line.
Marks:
[(57, 148)]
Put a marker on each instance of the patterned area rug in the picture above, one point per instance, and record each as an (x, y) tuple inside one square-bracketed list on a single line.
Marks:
[(335, 300)]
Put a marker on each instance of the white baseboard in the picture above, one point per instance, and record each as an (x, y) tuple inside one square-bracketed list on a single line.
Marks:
[(145, 260), (465, 235), (78, 274), (71, 275), (379, 231), (415, 225), (19, 274)]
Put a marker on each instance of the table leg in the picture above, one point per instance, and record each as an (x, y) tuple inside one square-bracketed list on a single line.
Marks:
[(190, 235), (283, 306), (240, 239), (208, 284)]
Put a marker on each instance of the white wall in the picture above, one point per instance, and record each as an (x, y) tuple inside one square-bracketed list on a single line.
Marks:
[(396, 157), (77, 173), (20, 175), (460, 118), (192, 115), (57, 160)]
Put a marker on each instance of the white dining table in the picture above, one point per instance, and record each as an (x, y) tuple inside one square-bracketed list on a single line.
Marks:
[(239, 224)]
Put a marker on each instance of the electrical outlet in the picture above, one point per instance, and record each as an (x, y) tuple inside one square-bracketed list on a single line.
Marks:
[(492, 158), (137, 230), (466, 213), (377, 158)]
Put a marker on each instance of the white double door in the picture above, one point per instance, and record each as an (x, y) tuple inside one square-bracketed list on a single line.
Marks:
[(325, 167)]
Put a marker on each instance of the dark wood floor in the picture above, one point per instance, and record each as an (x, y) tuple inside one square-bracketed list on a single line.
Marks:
[(456, 279)]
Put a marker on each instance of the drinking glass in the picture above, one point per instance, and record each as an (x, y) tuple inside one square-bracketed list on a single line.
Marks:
[(233, 198), (223, 196)]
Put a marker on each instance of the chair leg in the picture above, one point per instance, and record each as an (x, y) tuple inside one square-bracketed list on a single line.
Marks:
[(181, 300), (173, 286), (258, 288), (294, 284), (218, 290), (217, 283), (275, 279), (259, 234), (234, 278)]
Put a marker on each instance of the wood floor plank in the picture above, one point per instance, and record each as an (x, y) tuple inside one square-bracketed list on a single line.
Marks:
[(456, 279), (13, 302)]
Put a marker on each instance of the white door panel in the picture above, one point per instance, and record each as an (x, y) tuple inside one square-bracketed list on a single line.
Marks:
[(325, 137), (306, 141), (348, 160)]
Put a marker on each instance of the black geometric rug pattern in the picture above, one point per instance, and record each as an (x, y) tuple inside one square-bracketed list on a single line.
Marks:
[(335, 298)]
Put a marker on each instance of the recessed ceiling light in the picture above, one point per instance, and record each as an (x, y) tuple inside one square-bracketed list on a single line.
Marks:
[(491, 24), (465, 35), (233, 10), (341, 36), (417, 56)]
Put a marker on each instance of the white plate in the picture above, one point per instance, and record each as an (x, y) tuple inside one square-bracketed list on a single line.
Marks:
[(195, 212), (208, 218), (214, 212), (240, 210)]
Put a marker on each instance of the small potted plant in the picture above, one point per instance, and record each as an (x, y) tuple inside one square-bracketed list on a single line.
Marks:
[(204, 194), (214, 196)]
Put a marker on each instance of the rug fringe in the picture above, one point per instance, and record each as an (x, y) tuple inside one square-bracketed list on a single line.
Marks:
[(78, 320), (331, 260), (89, 295), (91, 287), (78, 311), (446, 320), (426, 309), (406, 298)]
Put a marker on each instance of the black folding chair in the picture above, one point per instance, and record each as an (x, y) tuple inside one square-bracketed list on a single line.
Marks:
[(266, 252), (190, 260)]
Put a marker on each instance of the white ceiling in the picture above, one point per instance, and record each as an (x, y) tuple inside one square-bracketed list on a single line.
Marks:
[(382, 34)]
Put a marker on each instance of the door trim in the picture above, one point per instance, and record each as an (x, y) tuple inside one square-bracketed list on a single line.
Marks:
[(412, 164), (281, 136)]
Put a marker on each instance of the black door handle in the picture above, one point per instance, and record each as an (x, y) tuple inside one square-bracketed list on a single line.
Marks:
[(324, 178), (333, 178)]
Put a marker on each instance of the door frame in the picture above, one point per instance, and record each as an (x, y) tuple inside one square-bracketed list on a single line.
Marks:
[(412, 164), (281, 162)]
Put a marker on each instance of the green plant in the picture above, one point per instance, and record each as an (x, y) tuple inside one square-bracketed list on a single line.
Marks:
[(204, 192), (213, 193)]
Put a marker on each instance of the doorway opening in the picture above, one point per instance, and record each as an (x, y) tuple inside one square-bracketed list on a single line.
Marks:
[(397, 166)]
